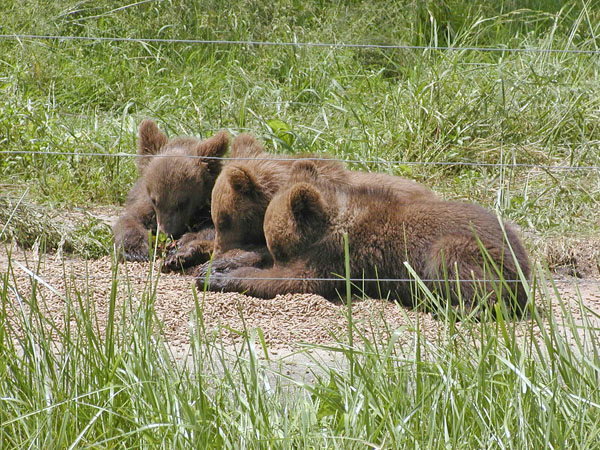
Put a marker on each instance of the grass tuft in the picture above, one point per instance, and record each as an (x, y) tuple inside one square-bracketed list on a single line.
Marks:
[(65, 383), (31, 225), (477, 384)]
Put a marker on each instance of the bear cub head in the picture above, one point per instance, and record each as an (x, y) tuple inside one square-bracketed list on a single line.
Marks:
[(298, 216), (180, 177), (242, 192)]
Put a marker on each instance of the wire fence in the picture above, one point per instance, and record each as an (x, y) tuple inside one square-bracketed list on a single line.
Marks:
[(37, 274), (333, 45), (547, 167)]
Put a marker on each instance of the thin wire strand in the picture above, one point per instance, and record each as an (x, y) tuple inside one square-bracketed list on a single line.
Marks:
[(275, 158), (353, 280), (370, 280), (317, 45), (298, 44), (181, 277)]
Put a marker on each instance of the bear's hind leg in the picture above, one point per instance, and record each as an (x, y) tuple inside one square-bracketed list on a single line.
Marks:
[(461, 273)]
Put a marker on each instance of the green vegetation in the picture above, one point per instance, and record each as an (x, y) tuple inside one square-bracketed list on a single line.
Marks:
[(477, 385), (30, 224), (370, 104), (484, 387)]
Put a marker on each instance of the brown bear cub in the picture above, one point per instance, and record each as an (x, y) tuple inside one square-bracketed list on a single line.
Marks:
[(173, 192), (245, 187), (305, 224)]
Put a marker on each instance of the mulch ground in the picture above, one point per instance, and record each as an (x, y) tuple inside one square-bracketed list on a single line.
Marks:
[(285, 321)]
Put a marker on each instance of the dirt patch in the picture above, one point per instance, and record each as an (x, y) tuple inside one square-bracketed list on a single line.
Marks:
[(577, 256), (285, 321)]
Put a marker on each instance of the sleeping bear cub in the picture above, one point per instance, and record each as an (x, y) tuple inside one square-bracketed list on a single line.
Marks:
[(173, 192), (246, 185), (304, 228)]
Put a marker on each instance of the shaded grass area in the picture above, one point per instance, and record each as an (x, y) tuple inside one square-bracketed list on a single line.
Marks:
[(359, 104), (66, 383), (29, 224)]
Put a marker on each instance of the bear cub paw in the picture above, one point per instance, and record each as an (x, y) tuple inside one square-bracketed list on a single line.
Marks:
[(188, 251)]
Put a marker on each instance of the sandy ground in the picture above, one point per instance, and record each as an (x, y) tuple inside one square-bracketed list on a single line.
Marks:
[(286, 321)]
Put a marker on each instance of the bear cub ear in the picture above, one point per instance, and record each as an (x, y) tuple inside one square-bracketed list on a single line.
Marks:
[(306, 202), (304, 170), (242, 181), (150, 142), (214, 146), (246, 146)]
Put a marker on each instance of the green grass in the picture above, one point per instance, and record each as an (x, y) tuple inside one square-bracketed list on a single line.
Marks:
[(359, 104), (120, 388), (477, 385)]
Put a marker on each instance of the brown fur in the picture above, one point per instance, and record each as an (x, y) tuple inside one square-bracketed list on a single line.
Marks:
[(193, 248), (245, 145), (239, 199), (245, 187), (305, 224), (173, 190)]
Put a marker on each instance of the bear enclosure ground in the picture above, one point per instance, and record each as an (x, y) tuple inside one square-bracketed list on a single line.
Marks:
[(496, 103), (287, 322)]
